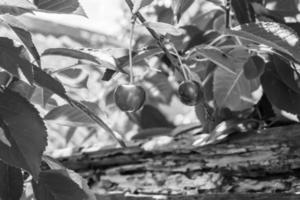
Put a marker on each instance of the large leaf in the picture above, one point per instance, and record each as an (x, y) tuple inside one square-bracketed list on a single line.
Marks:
[(56, 185), (215, 55), (11, 184), (25, 131), (16, 7), (58, 6), (279, 94), (14, 59), (234, 91), (69, 116), (290, 77), (24, 35), (275, 35), (82, 183)]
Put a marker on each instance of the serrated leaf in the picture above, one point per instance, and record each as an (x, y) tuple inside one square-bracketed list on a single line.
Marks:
[(138, 4), (58, 6), (24, 35), (45, 80), (234, 91), (14, 59), (279, 93), (164, 28), (97, 56), (16, 7), (179, 6), (11, 184), (272, 34), (55, 184), (254, 67), (216, 56), (67, 115), (25, 130), (82, 183)]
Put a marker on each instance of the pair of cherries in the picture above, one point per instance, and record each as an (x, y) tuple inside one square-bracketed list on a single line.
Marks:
[(130, 97)]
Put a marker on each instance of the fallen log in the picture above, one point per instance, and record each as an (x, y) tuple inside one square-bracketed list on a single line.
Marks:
[(266, 161)]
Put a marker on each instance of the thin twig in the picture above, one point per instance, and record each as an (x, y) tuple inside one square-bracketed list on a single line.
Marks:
[(155, 35), (132, 21)]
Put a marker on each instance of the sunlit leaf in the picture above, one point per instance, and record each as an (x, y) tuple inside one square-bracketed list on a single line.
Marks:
[(272, 34), (234, 91), (164, 28)]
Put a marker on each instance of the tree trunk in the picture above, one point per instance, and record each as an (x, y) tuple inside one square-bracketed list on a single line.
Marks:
[(262, 162)]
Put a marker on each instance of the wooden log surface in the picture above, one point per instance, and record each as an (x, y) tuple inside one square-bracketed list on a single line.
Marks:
[(265, 162)]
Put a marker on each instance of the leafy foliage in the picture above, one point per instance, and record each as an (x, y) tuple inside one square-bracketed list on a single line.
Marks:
[(253, 62), (27, 142)]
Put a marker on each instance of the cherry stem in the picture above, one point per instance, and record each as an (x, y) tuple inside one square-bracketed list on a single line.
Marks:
[(180, 63), (133, 19), (227, 14), (154, 34)]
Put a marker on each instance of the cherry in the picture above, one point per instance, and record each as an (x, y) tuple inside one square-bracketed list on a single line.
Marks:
[(190, 93), (129, 97)]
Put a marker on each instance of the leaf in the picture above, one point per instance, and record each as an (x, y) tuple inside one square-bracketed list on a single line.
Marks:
[(275, 35), (67, 115), (99, 57), (24, 35), (25, 130), (14, 59), (179, 6), (82, 183), (151, 117), (288, 76), (138, 4), (55, 184), (58, 6), (164, 28), (11, 184), (108, 74), (279, 94), (16, 7), (234, 91), (243, 11), (254, 67), (216, 56), (44, 80)]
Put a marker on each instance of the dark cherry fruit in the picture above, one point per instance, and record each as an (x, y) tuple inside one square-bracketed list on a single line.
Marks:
[(129, 97), (190, 93)]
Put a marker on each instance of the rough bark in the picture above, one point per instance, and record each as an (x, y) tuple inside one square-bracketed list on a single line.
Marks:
[(258, 162)]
